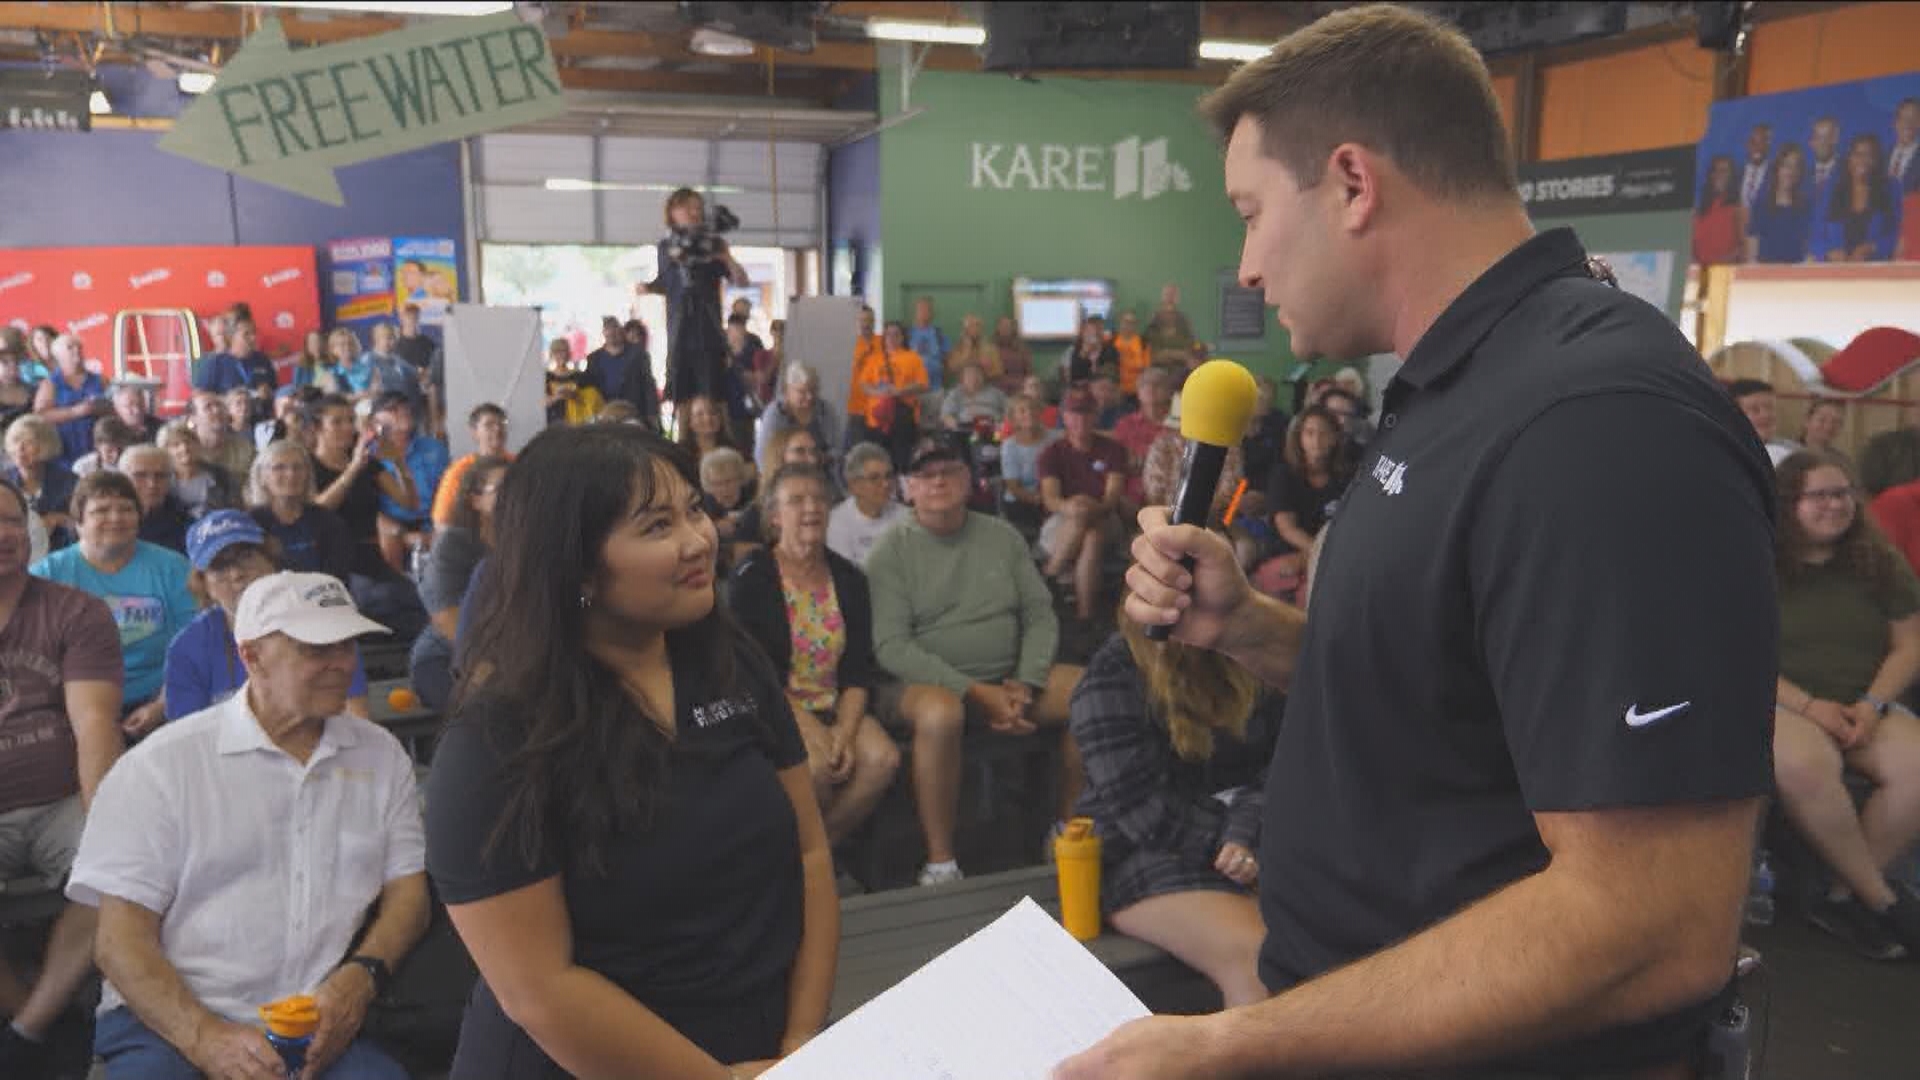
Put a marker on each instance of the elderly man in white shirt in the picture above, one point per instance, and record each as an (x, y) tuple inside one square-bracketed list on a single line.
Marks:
[(234, 854)]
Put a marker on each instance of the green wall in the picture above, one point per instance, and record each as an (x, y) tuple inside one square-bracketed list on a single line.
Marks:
[(960, 220), (1665, 230)]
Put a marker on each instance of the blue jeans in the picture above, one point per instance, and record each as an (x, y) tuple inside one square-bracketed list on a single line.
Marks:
[(133, 1052)]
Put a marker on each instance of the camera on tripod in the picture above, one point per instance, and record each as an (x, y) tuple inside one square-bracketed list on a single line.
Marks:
[(701, 243)]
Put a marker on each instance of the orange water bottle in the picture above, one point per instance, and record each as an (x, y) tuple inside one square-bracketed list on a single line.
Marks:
[(1076, 856), (291, 1022)]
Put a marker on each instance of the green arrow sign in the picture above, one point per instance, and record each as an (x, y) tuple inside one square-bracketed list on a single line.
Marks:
[(289, 117)]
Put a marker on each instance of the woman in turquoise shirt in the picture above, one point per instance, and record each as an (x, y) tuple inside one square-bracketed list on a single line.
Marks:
[(144, 585)]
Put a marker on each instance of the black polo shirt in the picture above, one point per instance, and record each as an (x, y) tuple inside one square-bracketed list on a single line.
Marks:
[(1548, 588)]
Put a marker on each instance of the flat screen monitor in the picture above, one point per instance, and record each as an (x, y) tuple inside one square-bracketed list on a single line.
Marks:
[(1054, 308)]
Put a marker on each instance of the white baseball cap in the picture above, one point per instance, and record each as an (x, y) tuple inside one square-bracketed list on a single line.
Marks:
[(311, 608)]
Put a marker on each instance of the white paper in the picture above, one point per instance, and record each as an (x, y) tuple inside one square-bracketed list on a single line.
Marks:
[(1008, 1003)]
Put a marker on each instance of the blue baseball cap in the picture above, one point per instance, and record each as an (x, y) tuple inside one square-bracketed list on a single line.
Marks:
[(219, 531)]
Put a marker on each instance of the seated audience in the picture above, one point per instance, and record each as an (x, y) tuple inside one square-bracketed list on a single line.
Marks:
[(1301, 493), (727, 493), (1141, 428), (59, 735), (457, 550), (344, 374), (1348, 411), (222, 370), (706, 428), (1755, 399), (244, 414), (809, 611), (572, 398), (33, 465), (111, 437), (1266, 439), (228, 551), (199, 484), (1036, 389), (799, 405), (351, 474), (422, 457), (131, 406), (144, 585), (1016, 360), (1083, 485), (966, 625), (487, 423), (869, 509), (16, 394), (750, 358), (219, 443), (1020, 450), (280, 496), (891, 379), (1169, 334), (1849, 650), (386, 373), (973, 401), (163, 517), (1175, 742), (620, 818), (1133, 353), (1108, 404), (1090, 354), (71, 398), (972, 347), (267, 846), (1825, 418)]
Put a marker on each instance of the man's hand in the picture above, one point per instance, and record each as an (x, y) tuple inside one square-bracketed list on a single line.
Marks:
[(1002, 715), (227, 1051), (1237, 864), (343, 1000), (145, 718), (1201, 603), (1832, 718), (1021, 695), (839, 749), (1156, 1048), (1865, 720)]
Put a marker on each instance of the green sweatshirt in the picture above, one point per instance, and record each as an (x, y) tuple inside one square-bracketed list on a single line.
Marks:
[(951, 611)]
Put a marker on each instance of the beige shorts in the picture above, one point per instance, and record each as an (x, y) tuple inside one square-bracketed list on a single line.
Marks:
[(40, 841)]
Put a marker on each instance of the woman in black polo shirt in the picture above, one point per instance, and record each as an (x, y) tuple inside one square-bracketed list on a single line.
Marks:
[(620, 817)]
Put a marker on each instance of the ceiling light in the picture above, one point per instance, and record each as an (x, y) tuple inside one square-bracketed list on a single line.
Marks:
[(930, 33), (196, 82), (392, 7), (710, 42), (569, 183), (1236, 51), (97, 103)]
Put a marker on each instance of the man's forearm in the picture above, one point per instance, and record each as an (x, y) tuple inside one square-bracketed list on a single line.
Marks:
[(132, 961), (1265, 637), (400, 923), (1549, 958)]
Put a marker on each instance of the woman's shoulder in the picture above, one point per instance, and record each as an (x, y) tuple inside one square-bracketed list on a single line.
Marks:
[(1112, 660)]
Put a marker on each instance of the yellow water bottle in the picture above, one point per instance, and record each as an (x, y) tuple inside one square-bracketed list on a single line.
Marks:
[(1076, 856)]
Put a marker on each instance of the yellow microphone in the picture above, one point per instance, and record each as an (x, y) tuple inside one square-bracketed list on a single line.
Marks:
[(1215, 405)]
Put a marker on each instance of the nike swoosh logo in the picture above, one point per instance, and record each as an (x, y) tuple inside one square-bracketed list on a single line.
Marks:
[(1637, 719)]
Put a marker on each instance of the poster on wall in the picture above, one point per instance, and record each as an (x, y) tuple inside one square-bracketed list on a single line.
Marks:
[(425, 272), (1826, 174), (360, 281), (1635, 183), (80, 290)]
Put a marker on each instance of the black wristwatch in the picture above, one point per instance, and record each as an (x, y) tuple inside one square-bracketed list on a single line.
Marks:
[(376, 967)]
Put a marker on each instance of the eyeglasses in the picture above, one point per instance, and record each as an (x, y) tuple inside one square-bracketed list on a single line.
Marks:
[(875, 478), (1829, 495)]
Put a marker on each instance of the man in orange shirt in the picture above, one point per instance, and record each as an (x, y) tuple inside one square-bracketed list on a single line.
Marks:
[(865, 348), (1134, 356), (892, 378), (488, 423)]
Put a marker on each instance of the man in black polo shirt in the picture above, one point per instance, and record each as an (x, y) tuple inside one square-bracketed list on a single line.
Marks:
[(1510, 818)]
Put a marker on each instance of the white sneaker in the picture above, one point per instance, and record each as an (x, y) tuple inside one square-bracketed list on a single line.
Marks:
[(940, 875)]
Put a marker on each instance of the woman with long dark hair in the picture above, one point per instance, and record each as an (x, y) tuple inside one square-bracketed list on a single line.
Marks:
[(1863, 213), (1716, 217), (1175, 741), (1782, 214), (620, 816), (1849, 651)]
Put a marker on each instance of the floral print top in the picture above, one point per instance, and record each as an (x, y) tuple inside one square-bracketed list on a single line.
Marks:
[(819, 640)]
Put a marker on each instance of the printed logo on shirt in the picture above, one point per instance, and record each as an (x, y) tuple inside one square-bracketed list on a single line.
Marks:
[(714, 712), (1390, 474), (138, 617)]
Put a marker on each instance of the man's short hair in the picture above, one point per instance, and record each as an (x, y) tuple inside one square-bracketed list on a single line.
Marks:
[(1398, 81), (484, 410), (721, 459), (737, 319), (393, 400), (101, 484), (113, 431), (1746, 388), (861, 456)]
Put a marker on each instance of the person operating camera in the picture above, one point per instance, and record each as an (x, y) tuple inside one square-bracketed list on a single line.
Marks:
[(694, 267)]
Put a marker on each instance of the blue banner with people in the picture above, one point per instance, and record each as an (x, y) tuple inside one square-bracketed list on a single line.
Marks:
[(1827, 174)]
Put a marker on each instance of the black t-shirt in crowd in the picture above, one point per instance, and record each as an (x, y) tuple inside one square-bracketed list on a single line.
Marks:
[(1562, 529), (361, 508), (1291, 492), (417, 350), (316, 543), (698, 913)]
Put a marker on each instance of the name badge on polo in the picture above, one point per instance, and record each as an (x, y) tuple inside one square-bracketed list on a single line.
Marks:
[(1391, 475), (710, 713)]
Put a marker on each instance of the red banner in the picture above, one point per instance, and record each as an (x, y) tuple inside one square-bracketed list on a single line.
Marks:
[(80, 290)]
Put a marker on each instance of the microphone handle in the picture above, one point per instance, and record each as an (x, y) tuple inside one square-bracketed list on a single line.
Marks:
[(1193, 505)]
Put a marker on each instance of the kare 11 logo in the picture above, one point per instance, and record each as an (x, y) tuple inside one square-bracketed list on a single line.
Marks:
[(1130, 167)]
